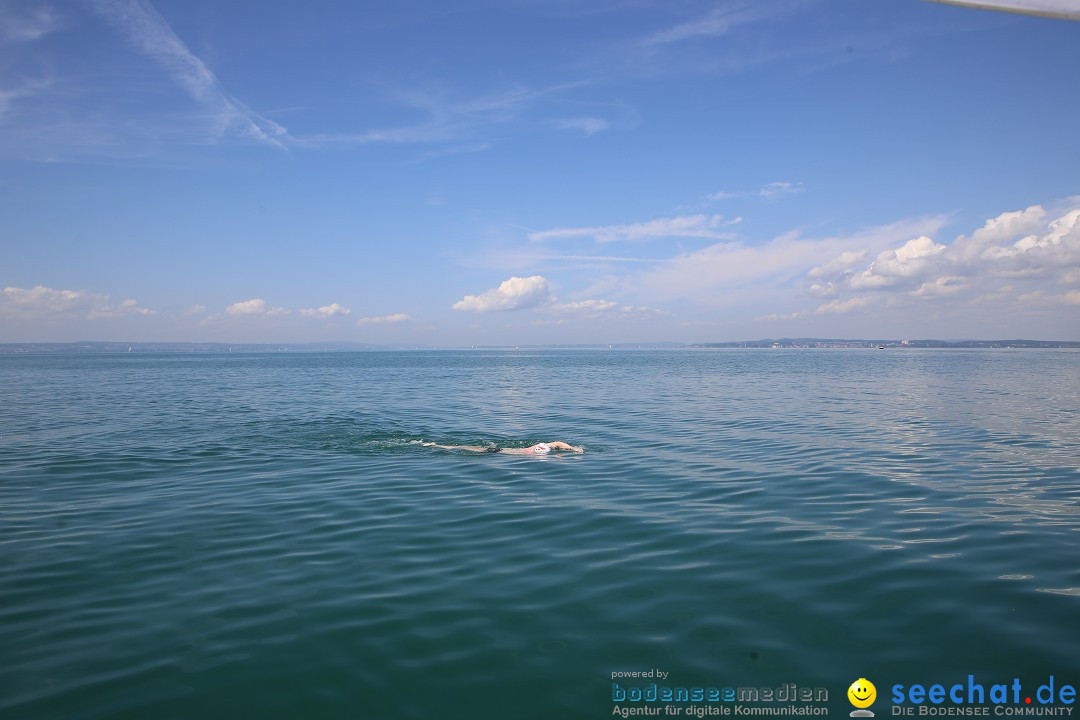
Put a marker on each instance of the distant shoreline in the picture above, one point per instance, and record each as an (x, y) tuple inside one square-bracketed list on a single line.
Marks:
[(100, 347)]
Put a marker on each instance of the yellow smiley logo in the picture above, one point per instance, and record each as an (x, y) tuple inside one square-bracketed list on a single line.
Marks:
[(862, 693)]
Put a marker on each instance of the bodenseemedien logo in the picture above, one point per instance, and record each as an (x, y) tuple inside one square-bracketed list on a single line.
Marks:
[(862, 694)]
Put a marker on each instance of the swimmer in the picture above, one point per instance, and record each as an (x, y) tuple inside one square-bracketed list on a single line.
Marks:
[(537, 449)]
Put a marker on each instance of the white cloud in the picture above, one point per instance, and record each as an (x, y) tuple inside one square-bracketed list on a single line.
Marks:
[(996, 231), (718, 22), (7, 99), (769, 191), (1039, 297), (145, 29), (944, 285), (385, 319), (515, 293), (255, 306), (774, 317), (779, 189), (587, 125), (605, 308), (840, 264), (843, 306), (1029, 247), (43, 302), (44, 298), (912, 260), (639, 311), (725, 273), (890, 267), (724, 195), (126, 307), (587, 306), (38, 21), (325, 311), (448, 118), (700, 226), (1058, 246)]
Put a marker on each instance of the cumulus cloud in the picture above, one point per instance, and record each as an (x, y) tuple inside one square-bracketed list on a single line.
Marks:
[(258, 308), (944, 285), (912, 260), (1059, 246), (902, 265), (43, 302), (1028, 247), (255, 306), (587, 306), (326, 311), (699, 226), (1006, 226), (723, 273), (41, 298), (605, 308), (840, 264), (385, 319), (515, 293), (126, 307)]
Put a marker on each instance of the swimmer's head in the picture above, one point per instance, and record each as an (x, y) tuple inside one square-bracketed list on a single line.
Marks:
[(541, 448)]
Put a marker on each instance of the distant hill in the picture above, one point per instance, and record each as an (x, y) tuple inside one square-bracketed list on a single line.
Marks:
[(841, 343), (191, 347), (180, 347)]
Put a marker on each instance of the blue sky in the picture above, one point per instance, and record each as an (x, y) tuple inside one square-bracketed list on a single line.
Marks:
[(536, 171)]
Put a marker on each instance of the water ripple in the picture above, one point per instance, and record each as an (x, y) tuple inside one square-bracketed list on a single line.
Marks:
[(266, 534)]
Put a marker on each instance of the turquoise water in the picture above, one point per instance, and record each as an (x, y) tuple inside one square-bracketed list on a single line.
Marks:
[(222, 536)]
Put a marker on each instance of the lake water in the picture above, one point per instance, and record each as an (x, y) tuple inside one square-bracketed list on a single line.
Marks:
[(262, 535)]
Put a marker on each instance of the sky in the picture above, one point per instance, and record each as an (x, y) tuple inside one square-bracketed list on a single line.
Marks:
[(536, 171)]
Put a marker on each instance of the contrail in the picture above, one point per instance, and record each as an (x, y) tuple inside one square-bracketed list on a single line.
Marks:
[(1064, 9)]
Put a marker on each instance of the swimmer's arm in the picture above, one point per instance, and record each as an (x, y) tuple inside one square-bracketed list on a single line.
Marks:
[(473, 448), (559, 445)]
